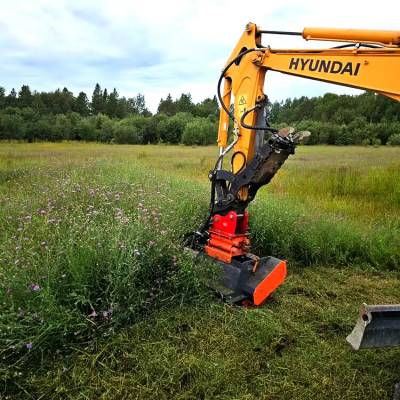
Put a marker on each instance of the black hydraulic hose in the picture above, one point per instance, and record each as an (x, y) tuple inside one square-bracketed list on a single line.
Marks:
[(223, 106), (256, 128), (244, 160)]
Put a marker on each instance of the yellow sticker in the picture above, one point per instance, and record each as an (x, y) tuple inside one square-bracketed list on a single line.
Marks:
[(242, 104)]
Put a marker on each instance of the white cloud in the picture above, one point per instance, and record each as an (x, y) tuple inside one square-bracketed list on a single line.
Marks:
[(160, 47)]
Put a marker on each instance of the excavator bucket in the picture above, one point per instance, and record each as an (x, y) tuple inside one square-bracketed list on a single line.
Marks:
[(243, 280), (377, 326)]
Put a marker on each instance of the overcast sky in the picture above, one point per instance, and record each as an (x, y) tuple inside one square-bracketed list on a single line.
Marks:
[(161, 47)]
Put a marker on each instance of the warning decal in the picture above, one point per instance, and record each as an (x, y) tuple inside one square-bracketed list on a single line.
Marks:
[(242, 104)]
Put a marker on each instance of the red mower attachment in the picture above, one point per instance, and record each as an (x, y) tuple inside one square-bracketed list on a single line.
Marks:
[(244, 276), (229, 236)]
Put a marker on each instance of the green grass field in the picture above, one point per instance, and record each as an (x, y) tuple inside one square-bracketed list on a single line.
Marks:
[(99, 300)]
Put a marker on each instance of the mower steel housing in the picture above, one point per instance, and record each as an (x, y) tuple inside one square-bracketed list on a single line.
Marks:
[(239, 281)]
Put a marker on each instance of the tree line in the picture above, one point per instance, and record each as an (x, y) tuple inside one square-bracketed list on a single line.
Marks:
[(108, 117), (342, 119)]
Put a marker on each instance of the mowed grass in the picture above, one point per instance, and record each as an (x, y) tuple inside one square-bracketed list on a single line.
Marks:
[(99, 300)]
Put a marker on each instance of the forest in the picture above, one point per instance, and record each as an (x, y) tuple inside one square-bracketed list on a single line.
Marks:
[(366, 119)]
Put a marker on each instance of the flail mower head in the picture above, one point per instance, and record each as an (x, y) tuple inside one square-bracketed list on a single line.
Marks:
[(248, 280)]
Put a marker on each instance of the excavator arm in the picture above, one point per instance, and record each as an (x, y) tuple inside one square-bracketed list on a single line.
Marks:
[(367, 60)]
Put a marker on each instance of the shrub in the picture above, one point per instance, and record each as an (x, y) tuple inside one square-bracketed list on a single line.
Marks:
[(199, 131), (132, 130), (366, 142), (62, 127), (11, 124), (171, 129), (105, 127), (154, 128), (376, 142), (85, 129), (394, 140), (128, 134), (44, 128)]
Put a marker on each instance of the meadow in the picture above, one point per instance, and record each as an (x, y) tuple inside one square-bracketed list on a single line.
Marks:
[(98, 299)]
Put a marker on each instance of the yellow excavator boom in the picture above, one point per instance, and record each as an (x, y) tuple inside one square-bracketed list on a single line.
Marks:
[(370, 62)]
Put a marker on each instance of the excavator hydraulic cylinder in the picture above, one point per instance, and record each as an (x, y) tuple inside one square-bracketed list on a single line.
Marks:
[(353, 35)]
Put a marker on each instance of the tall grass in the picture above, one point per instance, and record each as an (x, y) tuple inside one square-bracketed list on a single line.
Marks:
[(88, 248), (91, 244), (287, 229)]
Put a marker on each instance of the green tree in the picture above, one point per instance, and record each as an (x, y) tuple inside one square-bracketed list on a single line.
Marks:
[(97, 104), (140, 105), (112, 104), (11, 98), (167, 106), (184, 103), (38, 104), (81, 105), (67, 101), (207, 107), (2, 97), (25, 97), (105, 100)]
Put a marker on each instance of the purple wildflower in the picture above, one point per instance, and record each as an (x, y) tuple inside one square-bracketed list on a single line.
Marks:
[(29, 345), (34, 287)]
